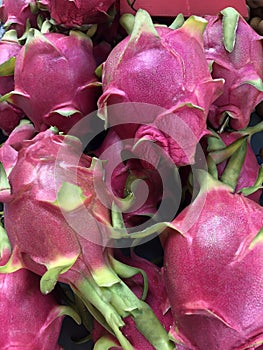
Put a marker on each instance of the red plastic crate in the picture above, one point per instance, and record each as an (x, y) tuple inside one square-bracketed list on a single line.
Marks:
[(171, 8)]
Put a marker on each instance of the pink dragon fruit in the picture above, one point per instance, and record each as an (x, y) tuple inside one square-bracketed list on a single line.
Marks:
[(15, 14), (9, 149), (78, 12), (57, 60), (9, 49), (213, 270), (154, 68), (156, 298), (52, 179), (238, 59), (29, 319), (125, 175), (120, 174)]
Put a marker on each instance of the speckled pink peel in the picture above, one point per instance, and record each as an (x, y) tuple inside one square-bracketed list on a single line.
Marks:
[(213, 270)]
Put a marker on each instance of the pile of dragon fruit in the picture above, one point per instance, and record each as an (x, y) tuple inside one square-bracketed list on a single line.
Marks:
[(131, 193)]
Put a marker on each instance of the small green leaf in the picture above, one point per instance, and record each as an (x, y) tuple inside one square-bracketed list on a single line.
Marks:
[(105, 343), (33, 8), (54, 269), (125, 203), (257, 83), (54, 129), (98, 71), (230, 23), (44, 25), (141, 141), (40, 21), (49, 279), (4, 183), (178, 22), (210, 65), (93, 84), (24, 122), (257, 240), (13, 264), (126, 271), (80, 35), (195, 26), (70, 197), (65, 112), (212, 169), (259, 180), (215, 143), (6, 98), (10, 97), (247, 191), (92, 30), (117, 218), (104, 276), (97, 164), (233, 168), (190, 105), (117, 233), (256, 344), (257, 185), (65, 310), (208, 182), (7, 68), (221, 155), (23, 38), (4, 242), (127, 22), (142, 24), (10, 35), (82, 310), (251, 130)]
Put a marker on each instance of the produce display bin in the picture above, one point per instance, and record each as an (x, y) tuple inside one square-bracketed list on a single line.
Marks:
[(71, 334), (170, 8)]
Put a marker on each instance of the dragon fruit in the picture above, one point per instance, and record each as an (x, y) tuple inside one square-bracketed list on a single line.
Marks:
[(238, 59), (29, 319), (9, 49), (58, 184), (156, 298), (57, 60), (213, 270), (15, 14), (9, 149), (125, 175), (153, 67), (78, 12)]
